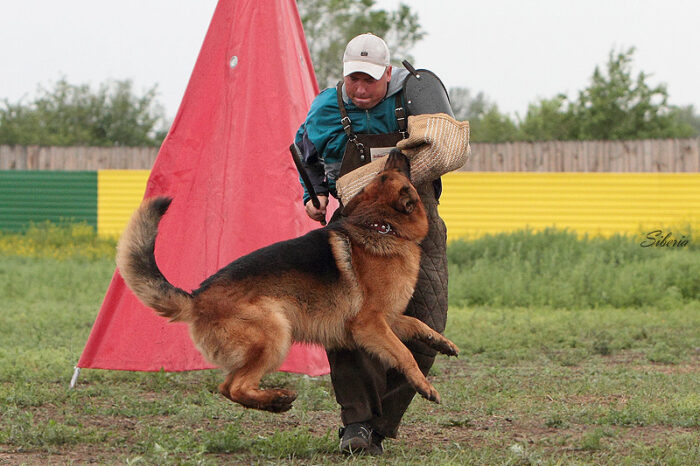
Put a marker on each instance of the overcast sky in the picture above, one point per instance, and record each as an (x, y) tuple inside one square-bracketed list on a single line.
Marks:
[(513, 51)]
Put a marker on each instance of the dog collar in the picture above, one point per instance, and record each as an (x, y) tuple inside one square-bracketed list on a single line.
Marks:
[(382, 228)]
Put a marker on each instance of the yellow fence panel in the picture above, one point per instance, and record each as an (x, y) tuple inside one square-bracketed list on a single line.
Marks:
[(478, 203), (119, 193)]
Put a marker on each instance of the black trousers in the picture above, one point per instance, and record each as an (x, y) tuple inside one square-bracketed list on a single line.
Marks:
[(365, 389)]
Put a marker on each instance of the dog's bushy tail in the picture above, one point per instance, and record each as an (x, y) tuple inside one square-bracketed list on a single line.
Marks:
[(137, 263)]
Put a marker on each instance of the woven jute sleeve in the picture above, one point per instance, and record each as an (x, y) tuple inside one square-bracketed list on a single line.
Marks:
[(437, 144)]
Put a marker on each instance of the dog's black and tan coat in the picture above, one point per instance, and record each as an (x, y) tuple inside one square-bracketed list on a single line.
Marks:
[(342, 286)]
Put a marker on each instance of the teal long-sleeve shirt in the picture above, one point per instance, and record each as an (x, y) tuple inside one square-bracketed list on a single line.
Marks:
[(322, 140)]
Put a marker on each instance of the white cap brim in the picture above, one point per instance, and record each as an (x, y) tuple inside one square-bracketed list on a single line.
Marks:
[(376, 71)]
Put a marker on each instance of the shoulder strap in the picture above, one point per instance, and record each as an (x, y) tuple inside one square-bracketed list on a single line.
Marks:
[(345, 119), (347, 124)]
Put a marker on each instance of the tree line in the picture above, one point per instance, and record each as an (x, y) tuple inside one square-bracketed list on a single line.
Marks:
[(71, 115), (616, 104)]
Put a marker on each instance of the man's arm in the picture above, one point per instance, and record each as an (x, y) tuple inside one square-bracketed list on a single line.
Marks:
[(312, 163)]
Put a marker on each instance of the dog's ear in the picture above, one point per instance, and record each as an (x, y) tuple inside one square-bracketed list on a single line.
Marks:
[(407, 200), (397, 161)]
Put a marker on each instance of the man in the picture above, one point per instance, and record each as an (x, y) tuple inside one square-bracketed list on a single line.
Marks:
[(348, 126)]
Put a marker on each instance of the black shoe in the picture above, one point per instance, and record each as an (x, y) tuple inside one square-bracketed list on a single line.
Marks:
[(358, 438)]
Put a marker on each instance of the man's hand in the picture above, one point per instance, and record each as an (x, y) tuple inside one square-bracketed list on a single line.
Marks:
[(314, 213)]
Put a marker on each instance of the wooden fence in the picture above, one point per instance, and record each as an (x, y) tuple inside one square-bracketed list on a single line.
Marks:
[(649, 155), (76, 158), (653, 156)]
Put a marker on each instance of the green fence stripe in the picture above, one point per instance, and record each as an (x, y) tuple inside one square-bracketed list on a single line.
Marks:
[(36, 196)]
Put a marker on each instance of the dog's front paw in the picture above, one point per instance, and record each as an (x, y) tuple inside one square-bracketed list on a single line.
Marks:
[(429, 392), (442, 345), (450, 348)]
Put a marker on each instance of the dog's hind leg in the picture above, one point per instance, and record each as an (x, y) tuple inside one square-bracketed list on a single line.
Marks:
[(410, 328), (225, 386), (244, 385), (267, 343)]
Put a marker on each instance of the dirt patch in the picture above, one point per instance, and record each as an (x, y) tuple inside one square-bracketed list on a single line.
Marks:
[(639, 362), (74, 455), (600, 400)]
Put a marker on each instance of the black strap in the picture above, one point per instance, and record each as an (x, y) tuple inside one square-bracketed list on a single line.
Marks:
[(347, 124), (399, 112), (345, 119)]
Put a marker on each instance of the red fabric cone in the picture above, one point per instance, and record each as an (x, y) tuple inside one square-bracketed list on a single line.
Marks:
[(227, 165)]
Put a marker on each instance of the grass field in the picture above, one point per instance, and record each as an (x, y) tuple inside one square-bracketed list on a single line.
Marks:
[(574, 351)]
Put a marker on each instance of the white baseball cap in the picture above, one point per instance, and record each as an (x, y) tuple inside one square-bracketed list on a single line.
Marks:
[(366, 53)]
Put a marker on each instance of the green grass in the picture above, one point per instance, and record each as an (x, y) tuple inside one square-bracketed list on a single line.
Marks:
[(556, 269), (546, 380), (59, 241)]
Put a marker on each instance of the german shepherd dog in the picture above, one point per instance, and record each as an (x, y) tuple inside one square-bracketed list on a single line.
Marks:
[(342, 286)]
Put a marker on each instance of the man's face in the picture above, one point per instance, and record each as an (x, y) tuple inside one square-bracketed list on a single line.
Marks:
[(364, 90)]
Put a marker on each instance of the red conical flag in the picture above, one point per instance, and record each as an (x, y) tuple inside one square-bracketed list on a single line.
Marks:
[(227, 165)]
